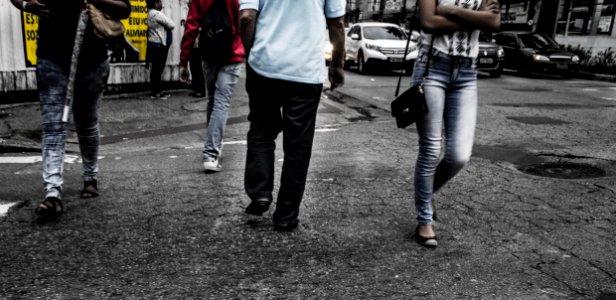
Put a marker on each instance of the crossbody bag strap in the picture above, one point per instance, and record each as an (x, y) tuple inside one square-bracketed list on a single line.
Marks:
[(406, 49), (425, 74)]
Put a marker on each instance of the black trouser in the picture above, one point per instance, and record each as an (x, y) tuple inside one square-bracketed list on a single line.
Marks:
[(157, 56), (299, 103), (196, 70)]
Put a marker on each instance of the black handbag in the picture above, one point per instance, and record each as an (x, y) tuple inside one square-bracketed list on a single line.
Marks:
[(411, 105)]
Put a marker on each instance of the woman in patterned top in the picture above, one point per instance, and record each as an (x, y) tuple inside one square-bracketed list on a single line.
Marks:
[(452, 28)]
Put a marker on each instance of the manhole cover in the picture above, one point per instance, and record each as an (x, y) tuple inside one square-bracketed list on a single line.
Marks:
[(563, 170)]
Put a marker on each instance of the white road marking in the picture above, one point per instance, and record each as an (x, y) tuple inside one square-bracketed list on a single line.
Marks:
[(173, 156), (4, 208), (606, 98), (590, 90), (326, 129), (69, 159), (234, 143)]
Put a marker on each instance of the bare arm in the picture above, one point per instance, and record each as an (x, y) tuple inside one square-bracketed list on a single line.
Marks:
[(336, 36), (248, 22), (119, 9), (434, 23), (31, 6), (486, 18)]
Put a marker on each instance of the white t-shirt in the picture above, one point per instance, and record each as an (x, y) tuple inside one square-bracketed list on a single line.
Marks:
[(290, 38), (460, 43)]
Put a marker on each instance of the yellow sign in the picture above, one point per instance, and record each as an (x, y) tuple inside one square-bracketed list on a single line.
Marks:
[(137, 27), (30, 37), (130, 49)]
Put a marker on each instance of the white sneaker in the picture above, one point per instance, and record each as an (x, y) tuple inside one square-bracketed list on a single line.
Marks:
[(211, 165)]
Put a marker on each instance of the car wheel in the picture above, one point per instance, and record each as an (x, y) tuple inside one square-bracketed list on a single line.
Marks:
[(361, 66), (408, 69), (347, 63), (496, 73)]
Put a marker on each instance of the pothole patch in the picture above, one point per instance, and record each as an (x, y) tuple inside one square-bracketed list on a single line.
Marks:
[(538, 120), (563, 170)]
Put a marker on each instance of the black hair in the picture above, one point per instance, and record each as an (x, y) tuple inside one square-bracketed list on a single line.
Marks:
[(151, 3)]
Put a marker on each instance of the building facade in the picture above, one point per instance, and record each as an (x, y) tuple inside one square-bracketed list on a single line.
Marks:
[(18, 38), (587, 23)]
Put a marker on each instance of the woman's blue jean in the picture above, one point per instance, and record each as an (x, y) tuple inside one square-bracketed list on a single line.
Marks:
[(451, 94), (89, 85)]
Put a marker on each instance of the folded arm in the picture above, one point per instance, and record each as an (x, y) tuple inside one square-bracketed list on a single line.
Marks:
[(450, 18), (486, 18)]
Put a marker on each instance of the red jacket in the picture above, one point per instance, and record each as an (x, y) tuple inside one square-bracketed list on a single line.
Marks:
[(196, 13)]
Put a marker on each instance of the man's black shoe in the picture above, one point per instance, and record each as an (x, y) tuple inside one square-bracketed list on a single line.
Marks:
[(286, 226), (258, 207)]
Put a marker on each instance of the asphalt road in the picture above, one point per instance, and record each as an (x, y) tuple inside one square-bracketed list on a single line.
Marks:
[(162, 229)]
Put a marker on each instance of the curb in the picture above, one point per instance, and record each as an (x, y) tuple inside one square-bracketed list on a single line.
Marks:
[(595, 76)]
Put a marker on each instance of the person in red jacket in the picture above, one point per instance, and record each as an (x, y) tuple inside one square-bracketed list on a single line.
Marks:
[(221, 71)]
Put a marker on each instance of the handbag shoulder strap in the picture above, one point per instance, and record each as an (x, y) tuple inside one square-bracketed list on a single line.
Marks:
[(406, 50), (425, 74)]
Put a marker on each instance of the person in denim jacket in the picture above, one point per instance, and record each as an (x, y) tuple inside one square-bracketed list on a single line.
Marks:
[(57, 27), (452, 28)]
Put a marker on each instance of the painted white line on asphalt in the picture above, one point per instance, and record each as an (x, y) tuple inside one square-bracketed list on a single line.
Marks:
[(69, 159), (4, 208), (173, 156), (606, 98), (590, 90), (326, 129), (234, 143), (20, 160)]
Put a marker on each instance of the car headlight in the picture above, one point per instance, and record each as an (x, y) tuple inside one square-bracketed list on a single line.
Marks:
[(539, 57), (373, 47), (329, 47), (500, 52), (575, 58)]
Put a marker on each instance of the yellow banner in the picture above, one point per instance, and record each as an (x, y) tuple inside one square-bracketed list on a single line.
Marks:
[(132, 48), (30, 23), (137, 27)]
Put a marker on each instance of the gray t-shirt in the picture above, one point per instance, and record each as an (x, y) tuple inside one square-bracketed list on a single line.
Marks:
[(459, 43)]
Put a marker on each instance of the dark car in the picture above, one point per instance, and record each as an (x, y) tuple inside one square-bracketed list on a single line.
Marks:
[(491, 57), (536, 53)]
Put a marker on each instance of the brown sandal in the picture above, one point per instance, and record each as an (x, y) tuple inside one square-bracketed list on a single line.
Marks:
[(90, 190), (51, 207)]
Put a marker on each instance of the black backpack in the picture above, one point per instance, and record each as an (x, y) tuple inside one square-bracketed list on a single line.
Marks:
[(216, 38)]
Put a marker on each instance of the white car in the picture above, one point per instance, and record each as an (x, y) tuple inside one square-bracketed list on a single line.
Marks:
[(379, 44)]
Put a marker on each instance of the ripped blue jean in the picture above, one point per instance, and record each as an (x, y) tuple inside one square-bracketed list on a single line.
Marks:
[(89, 85), (451, 94)]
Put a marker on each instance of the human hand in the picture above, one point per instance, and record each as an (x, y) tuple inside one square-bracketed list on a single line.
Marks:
[(336, 76), (494, 7), (184, 74), (37, 8)]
